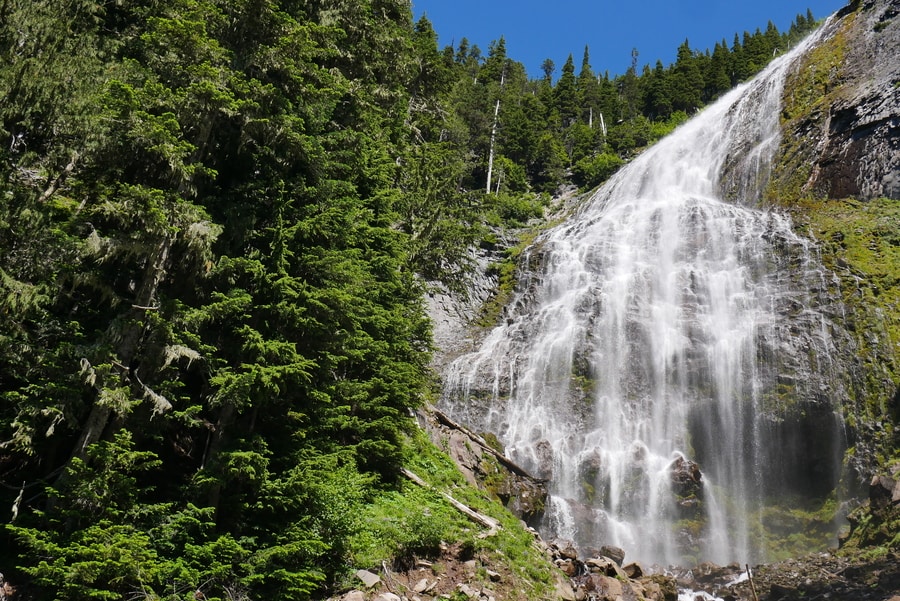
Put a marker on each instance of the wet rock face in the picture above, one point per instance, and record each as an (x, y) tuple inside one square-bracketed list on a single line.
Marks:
[(857, 137), (687, 484)]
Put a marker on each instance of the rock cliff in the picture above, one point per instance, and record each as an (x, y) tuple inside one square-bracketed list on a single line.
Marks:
[(842, 110), (838, 172)]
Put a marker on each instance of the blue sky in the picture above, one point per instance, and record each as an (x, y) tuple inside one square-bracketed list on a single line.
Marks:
[(538, 29)]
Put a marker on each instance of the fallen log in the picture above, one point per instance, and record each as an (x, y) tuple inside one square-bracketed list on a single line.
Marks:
[(501, 458), (486, 521)]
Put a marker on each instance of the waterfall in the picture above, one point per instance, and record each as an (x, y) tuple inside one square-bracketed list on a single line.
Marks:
[(663, 363)]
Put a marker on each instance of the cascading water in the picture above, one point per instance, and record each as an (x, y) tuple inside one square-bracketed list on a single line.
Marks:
[(658, 339)]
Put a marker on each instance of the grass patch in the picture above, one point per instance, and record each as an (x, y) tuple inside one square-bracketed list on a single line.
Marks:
[(411, 522)]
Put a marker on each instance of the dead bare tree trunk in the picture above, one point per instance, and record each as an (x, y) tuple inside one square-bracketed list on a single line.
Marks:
[(491, 153), (100, 415), (494, 133)]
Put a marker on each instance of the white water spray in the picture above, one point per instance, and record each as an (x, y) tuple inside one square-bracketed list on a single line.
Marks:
[(653, 338)]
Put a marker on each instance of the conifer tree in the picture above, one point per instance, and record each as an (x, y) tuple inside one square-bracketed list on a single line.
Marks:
[(687, 85), (565, 95)]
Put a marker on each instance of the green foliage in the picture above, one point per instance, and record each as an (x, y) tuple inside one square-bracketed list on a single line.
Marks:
[(90, 543), (592, 171), (505, 271), (225, 291), (874, 532), (405, 524), (810, 527), (516, 210)]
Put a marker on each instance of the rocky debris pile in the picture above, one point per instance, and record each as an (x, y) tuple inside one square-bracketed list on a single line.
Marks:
[(816, 577), (711, 581), (450, 577), (877, 522), (821, 577), (603, 577)]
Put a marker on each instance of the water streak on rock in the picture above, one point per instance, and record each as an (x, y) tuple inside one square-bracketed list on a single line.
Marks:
[(661, 345)]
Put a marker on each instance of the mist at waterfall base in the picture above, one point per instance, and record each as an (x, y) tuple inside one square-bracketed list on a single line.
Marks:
[(666, 363)]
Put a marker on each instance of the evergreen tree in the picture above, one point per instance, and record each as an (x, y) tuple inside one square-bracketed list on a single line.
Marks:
[(717, 78), (588, 90), (494, 68), (740, 69), (548, 68), (231, 314), (630, 90), (658, 99), (565, 95), (687, 80)]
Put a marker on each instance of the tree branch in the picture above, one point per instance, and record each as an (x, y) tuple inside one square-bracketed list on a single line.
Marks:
[(57, 182)]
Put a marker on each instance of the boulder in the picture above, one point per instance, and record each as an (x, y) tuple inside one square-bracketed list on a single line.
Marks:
[(710, 573), (604, 588), (544, 454), (567, 566), (606, 566), (882, 491), (633, 570), (368, 578), (686, 476), (599, 564), (615, 553), (564, 591), (663, 587), (468, 591), (566, 550)]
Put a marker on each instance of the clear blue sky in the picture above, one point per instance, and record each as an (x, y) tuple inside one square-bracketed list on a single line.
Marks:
[(535, 30)]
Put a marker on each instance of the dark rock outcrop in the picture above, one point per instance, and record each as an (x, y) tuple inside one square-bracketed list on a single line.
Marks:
[(860, 154), (687, 484), (844, 109), (877, 522)]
